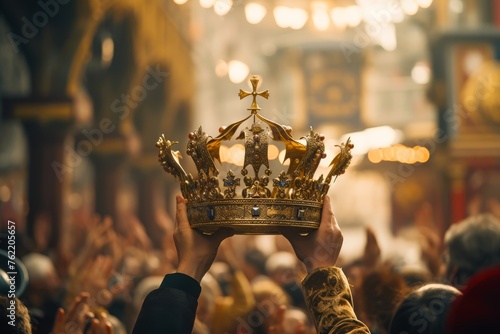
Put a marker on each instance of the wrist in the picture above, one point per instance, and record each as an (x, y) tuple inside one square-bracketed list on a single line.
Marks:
[(312, 266), (191, 270)]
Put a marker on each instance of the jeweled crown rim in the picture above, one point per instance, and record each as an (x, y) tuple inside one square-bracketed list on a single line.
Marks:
[(255, 215)]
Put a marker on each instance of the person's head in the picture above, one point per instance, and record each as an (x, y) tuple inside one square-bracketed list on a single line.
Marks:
[(44, 280), (269, 296), (210, 291), (472, 245), (222, 274), (296, 320), (476, 310), (281, 266), (415, 275), (14, 317), (424, 310), (381, 291), (254, 264)]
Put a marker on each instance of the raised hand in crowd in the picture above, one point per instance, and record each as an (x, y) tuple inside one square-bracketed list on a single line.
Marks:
[(94, 279), (172, 307), (431, 248), (78, 319), (371, 255), (100, 233)]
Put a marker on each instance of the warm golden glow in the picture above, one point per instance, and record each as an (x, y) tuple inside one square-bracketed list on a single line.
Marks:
[(424, 3), (282, 156), (207, 3), (221, 68), (237, 154), (255, 12), (5, 193), (421, 73), (224, 153), (320, 17), (410, 7), (222, 7), (238, 71), (400, 153), (375, 156), (338, 17), (108, 50), (352, 15), (272, 152), (286, 17)]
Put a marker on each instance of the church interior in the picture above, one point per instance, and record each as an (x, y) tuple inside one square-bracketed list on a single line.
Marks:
[(88, 86)]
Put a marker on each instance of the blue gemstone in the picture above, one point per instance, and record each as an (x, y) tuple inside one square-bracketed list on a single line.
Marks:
[(211, 212), (228, 183), (282, 183), (255, 211)]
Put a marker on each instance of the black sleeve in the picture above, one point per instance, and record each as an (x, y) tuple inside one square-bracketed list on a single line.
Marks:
[(171, 308)]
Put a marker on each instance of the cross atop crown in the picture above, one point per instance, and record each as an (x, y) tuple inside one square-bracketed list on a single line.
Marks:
[(265, 94)]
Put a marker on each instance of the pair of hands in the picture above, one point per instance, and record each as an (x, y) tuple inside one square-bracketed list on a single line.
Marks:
[(197, 251)]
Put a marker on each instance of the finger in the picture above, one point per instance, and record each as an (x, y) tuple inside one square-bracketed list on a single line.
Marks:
[(221, 234), (94, 327), (181, 220), (108, 328), (280, 315), (301, 328), (292, 237), (327, 216), (105, 324), (59, 321), (73, 308)]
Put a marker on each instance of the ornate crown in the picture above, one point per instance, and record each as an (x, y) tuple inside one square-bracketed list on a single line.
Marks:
[(262, 206)]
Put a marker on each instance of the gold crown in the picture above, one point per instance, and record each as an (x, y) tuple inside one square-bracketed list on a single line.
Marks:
[(293, 199)]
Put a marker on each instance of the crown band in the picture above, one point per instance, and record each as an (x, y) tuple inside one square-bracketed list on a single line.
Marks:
[(255, 216)]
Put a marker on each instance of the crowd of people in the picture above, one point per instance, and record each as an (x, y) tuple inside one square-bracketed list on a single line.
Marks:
[(117, 281)]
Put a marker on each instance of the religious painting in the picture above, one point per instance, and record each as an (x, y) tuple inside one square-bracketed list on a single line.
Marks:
[(333, 86), (477, 83)]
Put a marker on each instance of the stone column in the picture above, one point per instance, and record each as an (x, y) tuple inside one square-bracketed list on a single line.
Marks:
[(48, 124), (109, 159), (150, 178)]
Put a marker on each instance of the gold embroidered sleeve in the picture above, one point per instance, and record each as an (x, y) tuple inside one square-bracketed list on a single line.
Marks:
[(329, 300)]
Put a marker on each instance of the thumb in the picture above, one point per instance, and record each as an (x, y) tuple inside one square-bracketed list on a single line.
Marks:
[(181, 219)]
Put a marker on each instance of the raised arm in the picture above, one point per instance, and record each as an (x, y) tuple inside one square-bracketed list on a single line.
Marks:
[(172, 307), (326, 289)]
